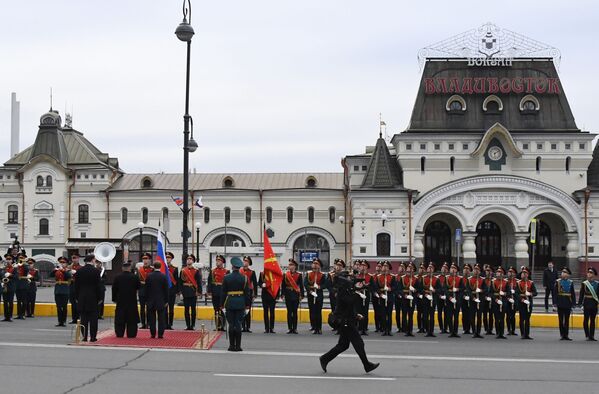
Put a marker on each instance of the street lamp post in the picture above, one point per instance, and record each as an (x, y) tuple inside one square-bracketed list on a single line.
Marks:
[(342, 220), (384, 218), (184, 32), (141, 226), (198, 225)]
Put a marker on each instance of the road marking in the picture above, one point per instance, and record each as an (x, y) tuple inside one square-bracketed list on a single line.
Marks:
[(52, 330), (299, 377), (399, 341), (306, 354)]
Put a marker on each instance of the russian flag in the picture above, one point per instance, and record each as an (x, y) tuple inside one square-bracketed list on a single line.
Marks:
[(161, 256)]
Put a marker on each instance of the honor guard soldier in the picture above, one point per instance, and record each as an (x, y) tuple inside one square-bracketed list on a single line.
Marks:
[(428, 286), (401, 270), (236, 301), (268, 303), (564, 299), (488, 301), (455, 288), (9, 285), (466, 302), (34, 276), (376, 301), (215, 286), (102, 270), (364, 291), (512, 305), (525, 291), (124, 295), (442, 299), (386, 288), (588, 300), (418, 300), (293, 293), (191, 289), (475, 291), (62, 275), (22, 286), (253, 283), (75, 266), (498, 293), (331, 284), (314, 282), (175, 289), (407, 286), (142, 274)]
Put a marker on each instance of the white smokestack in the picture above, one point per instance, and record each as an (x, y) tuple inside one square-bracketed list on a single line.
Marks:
[(15, 125)]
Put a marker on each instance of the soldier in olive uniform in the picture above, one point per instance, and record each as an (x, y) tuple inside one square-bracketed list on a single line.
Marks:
[(588, 300), (236, 302), (564, 299)]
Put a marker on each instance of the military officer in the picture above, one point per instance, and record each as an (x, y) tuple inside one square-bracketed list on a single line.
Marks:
[(34, 277), (376, 301), (124, 295), (455, 289), (442, 298), (175, 289), (588, 300), (75, 266), (142, 274), (525, 291), (215, 283), (9, 277), (62, 276), (191, 289), (386, 287), (253, 283), (498, 293), (293, 293), (314, 282), (102, 270), (401, 270), (236, 301), (364, 291), (269, 303), (427, 289), (488, 301), (564, 299), (512, 301), (22, 285), (466, 301), (407, 286), (475, 290), (418, 301)]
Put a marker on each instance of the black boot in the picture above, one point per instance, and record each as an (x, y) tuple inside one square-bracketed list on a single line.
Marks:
[(238, 343), (232, 341), (371, 366)]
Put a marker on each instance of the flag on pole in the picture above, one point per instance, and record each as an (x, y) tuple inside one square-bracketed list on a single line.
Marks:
[(198, 202), (383, 123), (161, 256), (273, 276), (178, 200), (533, 231)]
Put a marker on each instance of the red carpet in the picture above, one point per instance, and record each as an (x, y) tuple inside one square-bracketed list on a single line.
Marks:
[(172, 340)]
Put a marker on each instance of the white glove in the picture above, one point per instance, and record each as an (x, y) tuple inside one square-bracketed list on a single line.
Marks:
[(429, 297), (316, 286), (527, 294), (501, 293), (263, 285), (420, 296), (526, 302), (362, 295), (314, 294), (513, 291), (443, 297), (454, 290), (478, 290), (384, 296), (467, 298), (488, 298), (499, 302), (511, 300), (477, 300), (431, 288), (409, 297), (453, 300), (412, 288), (7, 274)]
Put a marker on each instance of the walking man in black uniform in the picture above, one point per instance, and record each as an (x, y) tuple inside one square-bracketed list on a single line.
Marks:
[(124, 295)]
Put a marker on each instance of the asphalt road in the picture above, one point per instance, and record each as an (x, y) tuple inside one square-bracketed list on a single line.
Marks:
[(35, 357)]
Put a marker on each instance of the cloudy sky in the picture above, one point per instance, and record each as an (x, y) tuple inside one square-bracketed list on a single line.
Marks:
[(276, 85)]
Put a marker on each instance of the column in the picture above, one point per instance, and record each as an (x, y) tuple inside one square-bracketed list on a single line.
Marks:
[(573, 252), (468, 255), (521, 249), (418, 246)]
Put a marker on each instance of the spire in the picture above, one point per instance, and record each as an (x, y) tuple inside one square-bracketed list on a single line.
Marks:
[(593, 170), (384, 170)]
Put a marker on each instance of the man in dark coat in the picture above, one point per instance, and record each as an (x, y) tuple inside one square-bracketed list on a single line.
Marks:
[(345, 315), (124, 295), (157, 300), (549, 278), (88, 292)]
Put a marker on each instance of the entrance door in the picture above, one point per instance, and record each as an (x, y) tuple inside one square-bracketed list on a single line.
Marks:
[(488, 244), (542, 246), (437, 243)]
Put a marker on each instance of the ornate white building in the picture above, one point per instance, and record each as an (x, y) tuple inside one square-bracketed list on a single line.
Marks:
[(491, 145)]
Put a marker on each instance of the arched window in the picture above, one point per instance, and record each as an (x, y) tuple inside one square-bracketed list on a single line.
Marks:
[(228, 182), (268, 214), (124, 215), (455, 104), (332, 214), (40, 181), (452, 164), (83, 213), (568, 161), (437, 242), (227, 214), (310, 214), (44, 227), (48, 181), (529, 104), (492, 104), (289, 214), (146, 183), (311, 182), (206, 215), (228, 239), (144, 215), (13, 214), (422, 164), (383, 245), (539, 164), (165, 219), (248, 214)]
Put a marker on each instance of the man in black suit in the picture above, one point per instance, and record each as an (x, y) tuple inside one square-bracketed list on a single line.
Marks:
[(549, 278), (157, 300), (88, 290), (124, 295)]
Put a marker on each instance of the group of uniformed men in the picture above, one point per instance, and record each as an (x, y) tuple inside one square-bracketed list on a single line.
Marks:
[(19, 277)]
